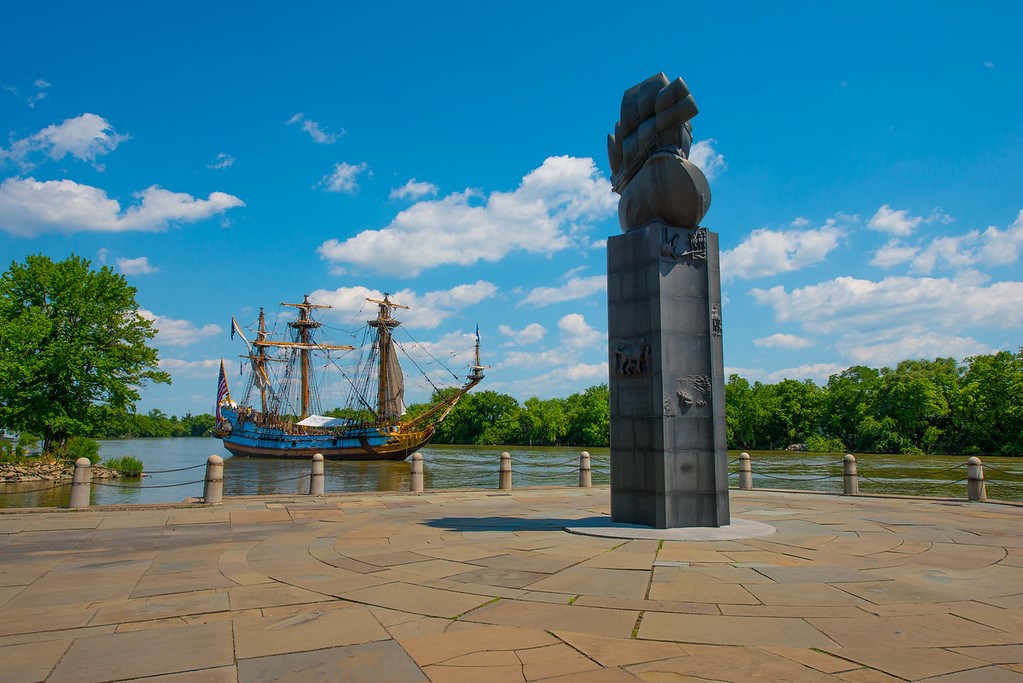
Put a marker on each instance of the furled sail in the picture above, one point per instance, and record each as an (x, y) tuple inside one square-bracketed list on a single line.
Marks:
[(393, 397)]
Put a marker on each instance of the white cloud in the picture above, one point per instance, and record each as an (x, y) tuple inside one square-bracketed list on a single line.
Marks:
[(191, 369), (1002, 247), (544, 215), (414, 189), (577, 337), (784, 341), (900, 223), (575, 288), (136, 266), (426, 311), (31, 207), (530, 334), (769, 252), (553, 382), (576, 333), (893, 222), (314, 129), (818, 372), (172, 332), (900, 343), (344, 177), (222, 160), (893, 253), (993, 247), (84, 137), (989, 64), (848, 303), (707, 158)]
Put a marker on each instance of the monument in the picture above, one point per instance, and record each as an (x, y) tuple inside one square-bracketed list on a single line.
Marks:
[(669, 466)]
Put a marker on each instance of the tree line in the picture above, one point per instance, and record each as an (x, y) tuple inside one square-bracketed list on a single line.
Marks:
[(919, 406), (155, 423)]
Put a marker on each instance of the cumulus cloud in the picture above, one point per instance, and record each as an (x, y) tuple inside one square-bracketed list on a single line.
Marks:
[(707, 158), (529, 334), (899, 343), (544, 215), (577, 333), (192, 369), (848, 303), (84, 137), (784, 341), (899, 223), (222, 160), (426, 311), (414, 189), (553, 382), (576, 338), (314, 129), (993, 247), (769, 252), (1001, 247), (136, 266), (575, 288), (30, 207), (344, 177), (172, 332)]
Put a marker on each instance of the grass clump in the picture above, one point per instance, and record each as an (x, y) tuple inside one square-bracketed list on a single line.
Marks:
[(127, 466), (79, 447)]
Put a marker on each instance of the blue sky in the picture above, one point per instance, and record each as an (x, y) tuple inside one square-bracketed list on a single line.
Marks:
[(864, 162)]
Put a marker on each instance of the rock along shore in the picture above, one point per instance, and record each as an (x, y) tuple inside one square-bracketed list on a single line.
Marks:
[(48, 470)]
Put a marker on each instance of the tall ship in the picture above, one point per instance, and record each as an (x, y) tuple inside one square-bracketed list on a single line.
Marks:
[(277, 418)]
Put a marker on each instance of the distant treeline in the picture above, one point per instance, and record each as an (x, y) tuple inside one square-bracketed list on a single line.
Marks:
[(154, 423), (920, 406)]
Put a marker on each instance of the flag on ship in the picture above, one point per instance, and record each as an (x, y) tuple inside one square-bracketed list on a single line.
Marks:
[(222, 391)]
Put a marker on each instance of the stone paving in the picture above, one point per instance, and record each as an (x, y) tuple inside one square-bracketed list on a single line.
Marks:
[(487, 586)]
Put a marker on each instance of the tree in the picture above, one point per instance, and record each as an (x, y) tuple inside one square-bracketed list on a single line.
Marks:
[(72, 346)]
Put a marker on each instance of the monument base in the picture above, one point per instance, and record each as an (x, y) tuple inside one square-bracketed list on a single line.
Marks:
[(669, 464)]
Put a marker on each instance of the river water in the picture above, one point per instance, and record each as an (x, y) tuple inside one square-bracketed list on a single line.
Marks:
[(447, 467)]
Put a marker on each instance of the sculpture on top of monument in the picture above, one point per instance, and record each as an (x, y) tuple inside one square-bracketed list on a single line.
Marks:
[(649, 156), (669, 464)]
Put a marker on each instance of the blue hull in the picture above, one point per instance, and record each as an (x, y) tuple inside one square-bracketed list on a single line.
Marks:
[(245, 438)]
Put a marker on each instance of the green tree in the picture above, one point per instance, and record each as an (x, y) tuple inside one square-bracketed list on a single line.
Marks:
[(851, 396), (589, 417), (72, 345), (988, 415)]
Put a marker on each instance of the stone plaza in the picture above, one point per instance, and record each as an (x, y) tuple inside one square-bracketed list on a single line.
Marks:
[(487, 585)]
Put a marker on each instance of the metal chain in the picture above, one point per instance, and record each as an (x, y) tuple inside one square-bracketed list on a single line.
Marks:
[(155, 486), (179, 469), (45, 488)]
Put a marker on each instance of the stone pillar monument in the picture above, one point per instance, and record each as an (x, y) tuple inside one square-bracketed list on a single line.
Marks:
[(669, 467)]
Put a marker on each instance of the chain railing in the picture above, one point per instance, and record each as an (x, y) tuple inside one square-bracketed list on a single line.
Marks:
[(974, 479)]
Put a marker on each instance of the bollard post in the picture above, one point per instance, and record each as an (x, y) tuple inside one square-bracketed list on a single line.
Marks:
[(316, 480), (976, 489), (213, 490), (416, 480), (505, 480), (850, 479), (81, 484), (745, 472), (585, 473)]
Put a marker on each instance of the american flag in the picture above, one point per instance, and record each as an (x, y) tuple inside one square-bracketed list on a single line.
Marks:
[(222, 392)]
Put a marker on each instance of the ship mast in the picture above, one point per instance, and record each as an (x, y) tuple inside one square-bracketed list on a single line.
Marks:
[(304, 326), (261, 336), (383, 324)]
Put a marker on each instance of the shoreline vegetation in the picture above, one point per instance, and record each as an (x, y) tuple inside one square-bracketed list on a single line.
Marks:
[(918, 407)]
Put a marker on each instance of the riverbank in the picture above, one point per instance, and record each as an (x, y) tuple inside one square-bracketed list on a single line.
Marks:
[(37, 469), (488, 585)]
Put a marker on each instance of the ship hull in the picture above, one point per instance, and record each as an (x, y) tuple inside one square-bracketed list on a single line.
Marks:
[(246, 439)]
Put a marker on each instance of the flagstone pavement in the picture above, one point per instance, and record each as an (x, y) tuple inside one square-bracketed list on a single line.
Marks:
[(487, 586)]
